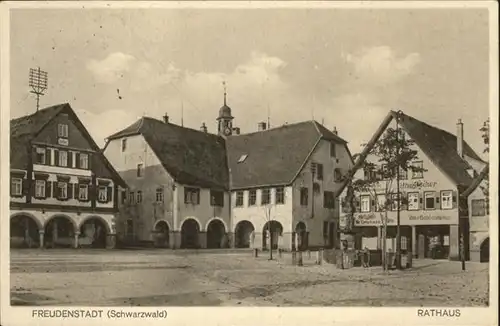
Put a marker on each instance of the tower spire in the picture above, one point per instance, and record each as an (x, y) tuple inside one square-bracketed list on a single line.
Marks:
[(225, 91)]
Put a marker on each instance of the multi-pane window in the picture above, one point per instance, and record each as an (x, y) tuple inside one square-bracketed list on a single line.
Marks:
[(62, 188), (40, 188), (62, 130), (370, 174), (429, 200), (403, 174), (280, 195), (17, 186), (124, 144), (319, 171), (329, 199), (191, 196), (478, 207), (265, 196), (102, 193), (365, 203), (304, 196), (239, 198), (84, 161), (139, 196), (380, 203), (333, 152), (446, 199), (131, 197), (41, 156), (413, 201), (83, 192), (63, 158), (140, 170), (159, 195), (252, 197), (395, 202), (216, 198), (404, 243), (337, 175), (417, 174)]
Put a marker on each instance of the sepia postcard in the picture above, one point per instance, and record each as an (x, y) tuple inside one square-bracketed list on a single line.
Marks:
[(219, 163)]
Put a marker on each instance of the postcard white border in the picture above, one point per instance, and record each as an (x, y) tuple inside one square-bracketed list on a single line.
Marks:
[(252, 315)]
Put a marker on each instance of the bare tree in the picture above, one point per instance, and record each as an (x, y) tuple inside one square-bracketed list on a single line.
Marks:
[(485, 134), (394, 157), (269, 221)]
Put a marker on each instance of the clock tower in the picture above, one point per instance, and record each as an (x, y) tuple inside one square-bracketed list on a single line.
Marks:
[(225, 119)]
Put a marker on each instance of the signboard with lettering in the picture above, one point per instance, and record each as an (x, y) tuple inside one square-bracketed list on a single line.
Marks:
[(438, 217), (63, 141), (410, 185)]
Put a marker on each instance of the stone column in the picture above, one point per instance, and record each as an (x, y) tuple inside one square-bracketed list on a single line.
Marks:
[(75, 243), (110, 241), (231, 239), (171, 240), (40, 235), (454, 243), (414, 241), (287, 243), (202, 239), (257, 242)]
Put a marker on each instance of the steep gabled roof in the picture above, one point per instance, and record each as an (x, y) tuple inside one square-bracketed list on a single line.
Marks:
[(190, 156), (477, 181), (439, 145), (274, 156), (26, 128)]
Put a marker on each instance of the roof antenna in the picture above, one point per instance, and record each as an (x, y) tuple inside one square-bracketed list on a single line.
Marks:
[(268, 116), (38, 83)]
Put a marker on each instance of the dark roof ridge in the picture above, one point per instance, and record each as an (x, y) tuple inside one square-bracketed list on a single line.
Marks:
[(477, 181)]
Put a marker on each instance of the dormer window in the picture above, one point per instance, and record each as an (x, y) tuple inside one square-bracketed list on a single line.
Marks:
[(62, 130), (242, 158)]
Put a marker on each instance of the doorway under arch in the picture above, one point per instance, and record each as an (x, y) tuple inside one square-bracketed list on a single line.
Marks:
[(24, 231), (485, 251), (302, 238), (272, 231), (93, 233), (162, 234), (190, 231), (216, 234), (244, 234), (59, 232)]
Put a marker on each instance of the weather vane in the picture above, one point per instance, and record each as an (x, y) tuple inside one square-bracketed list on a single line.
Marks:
[(225, 93), (38, 83)]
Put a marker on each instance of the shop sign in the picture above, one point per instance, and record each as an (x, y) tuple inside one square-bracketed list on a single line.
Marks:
[(412, 185), (427, 219), (372, 219)]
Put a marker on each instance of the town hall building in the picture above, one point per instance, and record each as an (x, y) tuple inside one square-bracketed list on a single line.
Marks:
[(193, 189)]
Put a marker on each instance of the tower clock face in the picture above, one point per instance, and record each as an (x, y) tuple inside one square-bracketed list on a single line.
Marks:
[(227, 131)]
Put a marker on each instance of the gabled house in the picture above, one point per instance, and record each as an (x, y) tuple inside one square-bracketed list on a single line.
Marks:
[(432, 216), (62, 188), (478, 217), (189, 188)]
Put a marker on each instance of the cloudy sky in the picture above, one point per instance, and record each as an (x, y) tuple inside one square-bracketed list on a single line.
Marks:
[(346, 67)]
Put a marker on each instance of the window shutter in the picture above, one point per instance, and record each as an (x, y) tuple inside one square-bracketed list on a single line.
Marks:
[(437, 200), (110, 194), (70, 159), (48, 188), (454, 199), (56, 157), (56, 189), (420, 201), (77, 190), (70, 190), (25, 189), (89, 160), (77, 158)]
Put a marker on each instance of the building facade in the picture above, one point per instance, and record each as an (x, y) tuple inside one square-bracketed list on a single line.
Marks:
[(63, 190), (431, 219), (192, 189)]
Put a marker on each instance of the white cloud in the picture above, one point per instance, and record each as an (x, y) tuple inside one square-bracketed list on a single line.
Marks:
[(381, 64), (111, 68)]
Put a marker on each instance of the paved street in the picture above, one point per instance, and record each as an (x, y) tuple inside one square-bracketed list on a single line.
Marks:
[(178, 278)]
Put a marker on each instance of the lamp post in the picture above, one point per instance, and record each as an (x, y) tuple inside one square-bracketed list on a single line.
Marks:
[(398, 210)]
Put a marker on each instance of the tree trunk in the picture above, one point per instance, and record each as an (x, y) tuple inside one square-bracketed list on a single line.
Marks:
[(384, 242)]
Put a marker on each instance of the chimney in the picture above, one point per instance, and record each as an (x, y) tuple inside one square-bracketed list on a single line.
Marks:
[(460, 138), (262, 126), (165, 118), (203, 127), (335, 131), (236, 130)]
